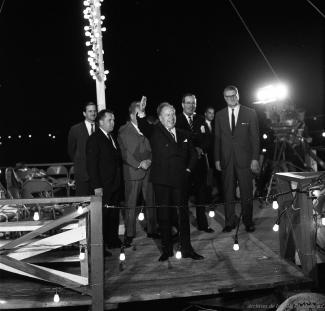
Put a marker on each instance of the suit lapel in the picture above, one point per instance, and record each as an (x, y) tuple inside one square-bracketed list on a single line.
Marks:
[(226, 119), (84, 129), (167, 134)]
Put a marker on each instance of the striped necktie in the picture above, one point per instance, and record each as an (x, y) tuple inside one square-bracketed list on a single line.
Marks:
[(190, 121)]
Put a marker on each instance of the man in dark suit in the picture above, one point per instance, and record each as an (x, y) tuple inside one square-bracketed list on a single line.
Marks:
[(173, 158), (104, 166), (136, 154), (77, 139), (194, 124), (236, 156)]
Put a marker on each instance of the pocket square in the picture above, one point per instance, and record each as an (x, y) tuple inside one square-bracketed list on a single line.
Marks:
[(185, 141), (244, 123)]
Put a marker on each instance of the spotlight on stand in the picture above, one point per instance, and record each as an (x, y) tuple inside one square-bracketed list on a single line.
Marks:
[(271, 93)]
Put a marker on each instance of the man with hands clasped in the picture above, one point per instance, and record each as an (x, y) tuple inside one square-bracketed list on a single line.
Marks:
[(236, 156), (136, 155)]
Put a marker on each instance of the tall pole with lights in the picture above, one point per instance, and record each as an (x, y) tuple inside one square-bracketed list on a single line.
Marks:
[(93, 32)]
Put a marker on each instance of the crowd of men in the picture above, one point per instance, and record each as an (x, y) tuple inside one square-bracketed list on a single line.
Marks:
[(162, 163)]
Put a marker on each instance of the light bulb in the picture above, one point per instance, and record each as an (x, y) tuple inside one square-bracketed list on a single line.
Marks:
[(82, 254), (212, 214), (276, 227), (323, 220), (122, 256), (56, 298), (178, 255), (80, 209), (236, 246), (275, 205), (141, 216), (36, 216)]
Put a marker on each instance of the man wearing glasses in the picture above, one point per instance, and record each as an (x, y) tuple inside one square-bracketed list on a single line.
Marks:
[(236, 156)]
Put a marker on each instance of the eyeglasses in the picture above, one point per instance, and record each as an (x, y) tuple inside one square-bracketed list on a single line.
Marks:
[(231, 96)]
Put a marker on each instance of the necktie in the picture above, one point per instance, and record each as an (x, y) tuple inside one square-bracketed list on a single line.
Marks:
[(92, 130), (111, 138), (232, 121), (190, 121), (171, 133)]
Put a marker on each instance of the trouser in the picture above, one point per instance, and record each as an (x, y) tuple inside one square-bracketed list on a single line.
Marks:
[(167, 197), (133, 189)]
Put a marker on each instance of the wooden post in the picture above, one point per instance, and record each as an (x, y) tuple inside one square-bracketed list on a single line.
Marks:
[(297, 227), (96, 254)]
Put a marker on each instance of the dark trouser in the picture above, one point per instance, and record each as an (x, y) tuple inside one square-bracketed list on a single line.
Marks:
[(111, 217), (133, 188), (200, 189), (230, 175), (166, 197), (82, 188)]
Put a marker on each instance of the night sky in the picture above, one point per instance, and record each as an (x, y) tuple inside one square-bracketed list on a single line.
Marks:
[(160, 49)]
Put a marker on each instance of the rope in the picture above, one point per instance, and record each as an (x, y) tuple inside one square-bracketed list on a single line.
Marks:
[(254, 40), (316, 8)]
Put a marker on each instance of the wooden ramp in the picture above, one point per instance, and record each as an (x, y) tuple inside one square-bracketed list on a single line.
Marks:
[(142, 278)]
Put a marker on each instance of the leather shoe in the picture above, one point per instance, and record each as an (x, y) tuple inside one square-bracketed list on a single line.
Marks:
[(250, 228), (208, 230), (153, 235), (164, 256), (192, 255), (227, 229)]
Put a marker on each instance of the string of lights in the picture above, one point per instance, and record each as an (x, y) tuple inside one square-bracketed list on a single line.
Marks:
[(93, 33)]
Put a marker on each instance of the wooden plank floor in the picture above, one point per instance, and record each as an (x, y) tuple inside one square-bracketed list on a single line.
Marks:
[(255, 266)]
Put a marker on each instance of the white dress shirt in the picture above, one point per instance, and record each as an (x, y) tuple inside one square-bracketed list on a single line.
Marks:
[(136, 127), (109, 137), (208, 123), (236, 111), (88, 126)]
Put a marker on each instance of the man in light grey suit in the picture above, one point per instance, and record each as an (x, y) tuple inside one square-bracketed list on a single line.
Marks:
[(136, 155)]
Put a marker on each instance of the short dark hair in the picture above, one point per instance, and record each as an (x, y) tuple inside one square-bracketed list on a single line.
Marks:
[(132, 107), (88, 104), (231, 88), (162, 106), (187, 94), (209, 107), (101, 114)]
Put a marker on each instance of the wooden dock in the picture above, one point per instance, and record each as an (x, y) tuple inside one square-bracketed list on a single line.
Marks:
[(141, 277)]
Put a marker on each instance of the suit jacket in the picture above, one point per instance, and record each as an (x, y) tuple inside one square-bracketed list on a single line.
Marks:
[(198, 136), (169, 159), (210, 143), (243, 147), (135, 148), (77, 139), (104, 163)]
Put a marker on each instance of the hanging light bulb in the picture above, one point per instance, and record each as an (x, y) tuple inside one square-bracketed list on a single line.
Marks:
[(56, 297), (212, 214), (236, 245), (275, 205), (178, 254), (82, 254), (80, 209), (276, 227), (36, 216), (122, 254), (141, 216)]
